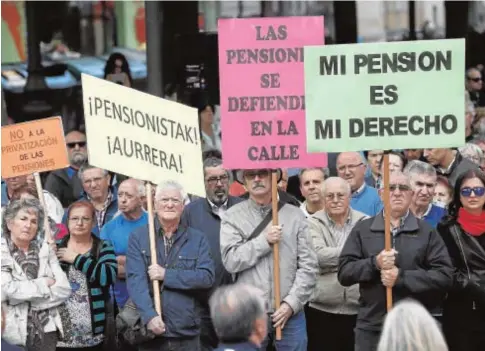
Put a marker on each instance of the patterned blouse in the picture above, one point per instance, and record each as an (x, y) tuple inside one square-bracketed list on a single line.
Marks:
[(80, 333)]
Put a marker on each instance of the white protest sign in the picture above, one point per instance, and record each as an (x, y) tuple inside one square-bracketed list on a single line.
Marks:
[(141, 135)]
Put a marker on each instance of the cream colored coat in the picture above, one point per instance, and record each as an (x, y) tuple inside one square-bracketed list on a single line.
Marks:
[(18, 293)]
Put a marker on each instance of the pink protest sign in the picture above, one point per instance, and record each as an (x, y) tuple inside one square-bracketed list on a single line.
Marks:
[(263, 91)]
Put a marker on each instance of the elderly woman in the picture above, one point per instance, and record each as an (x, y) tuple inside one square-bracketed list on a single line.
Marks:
[(91, 267), (33, 283), (409, 327), (29, 191), (463, 232)]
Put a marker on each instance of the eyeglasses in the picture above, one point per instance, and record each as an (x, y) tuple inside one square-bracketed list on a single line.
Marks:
[(476, 80), (82, 219), (401, 187), (331, 196), (349, 167), (78, 143), (467, 191), (213, 180), (261, 174)]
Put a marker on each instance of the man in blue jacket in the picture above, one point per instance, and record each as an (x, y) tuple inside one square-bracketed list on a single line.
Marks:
[(185, 269), (205, 215)]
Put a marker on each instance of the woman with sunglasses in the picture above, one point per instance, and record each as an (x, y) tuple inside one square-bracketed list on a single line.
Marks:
[(463, 231)]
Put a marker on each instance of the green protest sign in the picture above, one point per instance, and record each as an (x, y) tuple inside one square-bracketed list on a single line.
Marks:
[(401, 95)]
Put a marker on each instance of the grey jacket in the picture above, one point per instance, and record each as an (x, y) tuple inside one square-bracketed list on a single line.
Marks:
[(329, 296), (252, 260)]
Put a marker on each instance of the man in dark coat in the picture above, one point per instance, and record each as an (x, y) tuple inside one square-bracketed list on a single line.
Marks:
[(418, 266)]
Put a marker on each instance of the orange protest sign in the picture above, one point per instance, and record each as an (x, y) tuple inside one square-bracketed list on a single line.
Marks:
[(36, 146)]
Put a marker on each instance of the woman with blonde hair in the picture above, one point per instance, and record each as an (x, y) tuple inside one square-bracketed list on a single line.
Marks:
[(409, 327)]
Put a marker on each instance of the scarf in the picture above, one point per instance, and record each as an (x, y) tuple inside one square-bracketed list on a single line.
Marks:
[(29, 263), (472, 224)]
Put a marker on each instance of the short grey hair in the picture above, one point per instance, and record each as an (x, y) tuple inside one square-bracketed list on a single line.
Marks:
[(409, 327), (234, 309), (14, 207), (87, 166), (396, 174), (324, 170), (337, 180), (140, 186), (170, 185), (417, 167), (472, 151), (215, 162)]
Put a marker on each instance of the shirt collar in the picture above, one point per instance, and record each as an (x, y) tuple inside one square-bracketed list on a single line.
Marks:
[(348, 219), (450, 167), (359, 191)]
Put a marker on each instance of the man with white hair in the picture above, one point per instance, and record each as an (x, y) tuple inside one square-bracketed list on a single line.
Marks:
[(239, 315), (418, 265), (332, 311), (184, 269), (117, 231), (422, 177)]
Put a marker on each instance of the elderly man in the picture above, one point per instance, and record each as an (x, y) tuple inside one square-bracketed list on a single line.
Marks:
[(63, 183), (185, 268), (351, 167), (311, 182), (205, 215), (247, 252), (448, 163), (240, 319), (422, 177), (422, 270), (117, 231), (332, 311), (97, 190)]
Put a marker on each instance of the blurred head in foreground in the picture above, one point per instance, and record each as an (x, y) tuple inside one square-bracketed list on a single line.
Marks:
[(409, 327)]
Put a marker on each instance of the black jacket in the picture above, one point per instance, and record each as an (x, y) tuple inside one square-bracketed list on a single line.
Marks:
[(468, 257), (425, 271), (67, 190), (459, 166)]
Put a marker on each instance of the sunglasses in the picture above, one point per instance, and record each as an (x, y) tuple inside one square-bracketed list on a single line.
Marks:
[(467, 192), (476, 80), (401, 187), (78, 143)]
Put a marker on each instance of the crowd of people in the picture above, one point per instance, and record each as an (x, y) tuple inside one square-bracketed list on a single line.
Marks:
[(86, 283)]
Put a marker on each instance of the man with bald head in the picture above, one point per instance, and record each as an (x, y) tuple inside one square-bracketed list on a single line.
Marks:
[(351, 167), (332, 311), (131, 193), (418, 265)]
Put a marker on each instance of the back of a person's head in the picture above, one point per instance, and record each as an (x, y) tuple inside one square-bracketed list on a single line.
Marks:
[(409, 327)]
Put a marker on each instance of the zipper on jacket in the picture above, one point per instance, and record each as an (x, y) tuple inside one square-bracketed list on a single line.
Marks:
[(465, 260)]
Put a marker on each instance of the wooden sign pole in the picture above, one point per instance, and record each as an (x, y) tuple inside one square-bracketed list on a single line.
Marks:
[(387, 219), (276, 248), (153, 247), (47, 228)]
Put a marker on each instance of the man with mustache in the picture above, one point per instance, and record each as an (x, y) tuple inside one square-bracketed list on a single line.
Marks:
[(418, 266), (64, 183), (332, 312), (9, 185), (311, 183), (423, 183), (205, 215), (249, 255)]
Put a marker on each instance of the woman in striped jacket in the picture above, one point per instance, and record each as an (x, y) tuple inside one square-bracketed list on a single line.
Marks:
[(91, 267)]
